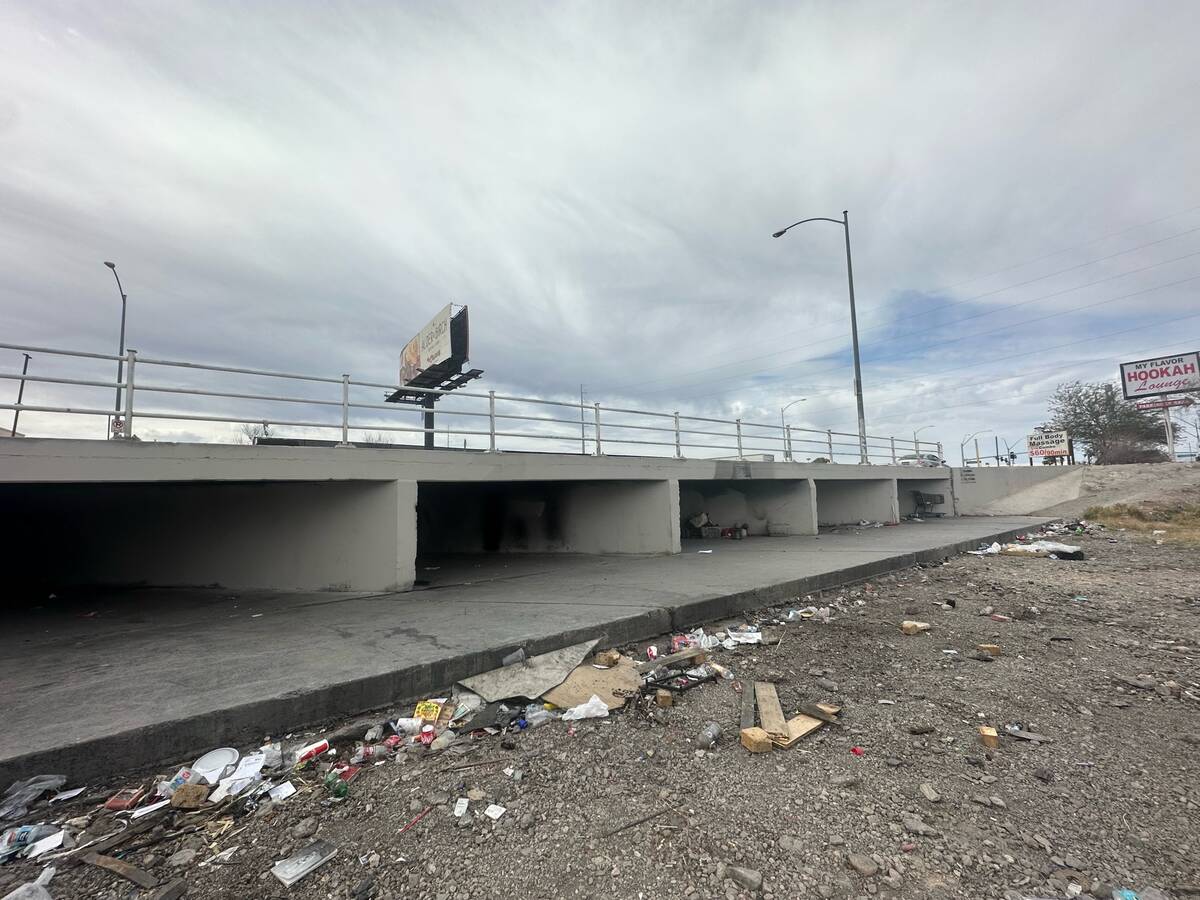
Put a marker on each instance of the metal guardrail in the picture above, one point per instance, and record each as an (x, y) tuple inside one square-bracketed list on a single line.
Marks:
[(594, 429)]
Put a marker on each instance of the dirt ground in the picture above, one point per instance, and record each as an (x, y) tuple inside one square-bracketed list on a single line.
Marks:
[(1101, 657)]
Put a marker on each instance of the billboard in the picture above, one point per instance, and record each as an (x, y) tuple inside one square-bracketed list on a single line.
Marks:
[(429, 348), (1048, 443), (1165, 375)]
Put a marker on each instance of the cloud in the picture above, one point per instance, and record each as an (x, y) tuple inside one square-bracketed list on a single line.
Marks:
[(300, 189)]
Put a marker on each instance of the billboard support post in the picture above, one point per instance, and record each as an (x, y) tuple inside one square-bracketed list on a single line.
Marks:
[(1170, 435)]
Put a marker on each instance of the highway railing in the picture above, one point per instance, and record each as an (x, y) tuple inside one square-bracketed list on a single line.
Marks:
[(349, 412)]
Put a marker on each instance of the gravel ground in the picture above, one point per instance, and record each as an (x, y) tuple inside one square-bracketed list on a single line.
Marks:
[(1112, 800)]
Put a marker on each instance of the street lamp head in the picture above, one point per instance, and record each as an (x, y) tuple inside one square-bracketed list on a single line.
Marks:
[(111, 265), (779, 233)]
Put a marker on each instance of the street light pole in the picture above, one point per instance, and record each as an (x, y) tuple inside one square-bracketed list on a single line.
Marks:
[(20, 392), (917, 443), (783, 425), (121, 352), (963, 443), (844, 221)]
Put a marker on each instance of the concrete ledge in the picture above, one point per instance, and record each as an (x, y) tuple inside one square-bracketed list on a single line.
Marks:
[(179, 738)]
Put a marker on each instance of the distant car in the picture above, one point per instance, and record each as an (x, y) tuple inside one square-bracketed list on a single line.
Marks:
[(921, 459)]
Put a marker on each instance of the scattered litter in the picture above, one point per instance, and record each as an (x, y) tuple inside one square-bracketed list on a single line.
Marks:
[(216, 764), (858, 751), (460, 807), (988, 737), (124, 799), (34, 890), (595, 708), (21, 794), (910, 626), (282, 791), (152, 808), (704, 551), (708, 737), (531, 679), (494, 812), (67, 795), (613, 686), (299, 864)]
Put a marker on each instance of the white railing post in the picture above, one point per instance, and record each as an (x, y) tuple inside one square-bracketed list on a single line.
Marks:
[(678, 441), (492, 421), (789, 452), (893, 451), (599, 446), (941, 454), (127, 429), (829, 438), (739, 438), (345, 411)]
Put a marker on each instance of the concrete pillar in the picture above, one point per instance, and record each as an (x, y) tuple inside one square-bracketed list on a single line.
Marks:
[(845, 502)]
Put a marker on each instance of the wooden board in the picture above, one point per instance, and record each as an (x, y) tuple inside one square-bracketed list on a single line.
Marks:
[(586, 680), (801, 726), (770, 713), (138, 876), (747, 707)]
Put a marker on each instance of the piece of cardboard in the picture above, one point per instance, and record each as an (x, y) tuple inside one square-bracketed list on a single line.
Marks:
[(770, 713), (530, 678), (586, 680)]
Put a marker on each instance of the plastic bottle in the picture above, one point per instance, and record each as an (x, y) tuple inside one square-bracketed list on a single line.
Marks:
[(335, 785), (312, 751), (14, 840), (369, 753), (407, 726), (707, 738), (34, 890)]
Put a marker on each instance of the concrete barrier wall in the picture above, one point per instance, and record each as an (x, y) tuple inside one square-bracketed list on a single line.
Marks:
[(1014, 490), (549, 517), (350, 536), (847, 502), (782, 507)]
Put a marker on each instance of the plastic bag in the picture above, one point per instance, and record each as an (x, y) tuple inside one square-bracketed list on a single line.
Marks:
[(16, 800), (595, 708), (33, 890)]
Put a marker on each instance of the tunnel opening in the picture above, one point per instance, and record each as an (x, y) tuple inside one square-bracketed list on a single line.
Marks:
[(768, 507)]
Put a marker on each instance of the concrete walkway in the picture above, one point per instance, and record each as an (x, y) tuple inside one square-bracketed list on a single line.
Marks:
[(96, 685)]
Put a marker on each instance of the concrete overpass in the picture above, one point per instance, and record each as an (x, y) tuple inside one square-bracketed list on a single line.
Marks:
[(356, 519)]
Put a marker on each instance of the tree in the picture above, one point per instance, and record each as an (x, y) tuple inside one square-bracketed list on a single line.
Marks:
[(1112, 428), (251, 433)]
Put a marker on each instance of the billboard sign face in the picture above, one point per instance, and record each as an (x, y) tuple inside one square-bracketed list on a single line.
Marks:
[(430, 347), (1048, 443), (1166, 375)]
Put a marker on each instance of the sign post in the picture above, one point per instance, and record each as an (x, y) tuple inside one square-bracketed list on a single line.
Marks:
[(1170, 434)]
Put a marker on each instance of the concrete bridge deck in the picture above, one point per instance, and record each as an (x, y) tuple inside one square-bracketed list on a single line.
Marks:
[(96, 683)]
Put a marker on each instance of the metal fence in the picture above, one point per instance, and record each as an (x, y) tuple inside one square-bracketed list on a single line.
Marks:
[(483, 421)]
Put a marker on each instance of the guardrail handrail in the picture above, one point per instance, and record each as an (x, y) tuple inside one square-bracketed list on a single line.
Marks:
[(592, 425)]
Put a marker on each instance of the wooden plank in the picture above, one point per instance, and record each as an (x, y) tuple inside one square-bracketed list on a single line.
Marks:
[(172, 891), (804, 725), (770, 713), (747, 707), (140, 877), (695, 654)]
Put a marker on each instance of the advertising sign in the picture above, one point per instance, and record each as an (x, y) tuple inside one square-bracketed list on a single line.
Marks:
[(1048, 443), (1165, 404), (430, 347), (1166, 375)]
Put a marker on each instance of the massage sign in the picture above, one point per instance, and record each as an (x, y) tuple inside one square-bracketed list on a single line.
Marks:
[(1156, 377)]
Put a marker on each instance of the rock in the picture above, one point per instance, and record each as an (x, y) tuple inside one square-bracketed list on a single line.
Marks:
[(750, 879), (476, 794), (998, 803), (930, 793), (913, 825), (1043, 774), (1142, 682), (862, 864), (844, 781), (920, 729), (981, 800), (373, 860), (150, 860), (826, 685), (181, 858), (304, 828), (437, 798)]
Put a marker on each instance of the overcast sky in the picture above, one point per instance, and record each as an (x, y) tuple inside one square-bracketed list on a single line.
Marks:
[(301, 186)]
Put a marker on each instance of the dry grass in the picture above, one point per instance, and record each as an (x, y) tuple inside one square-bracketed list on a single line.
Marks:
[(1180, 523)]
